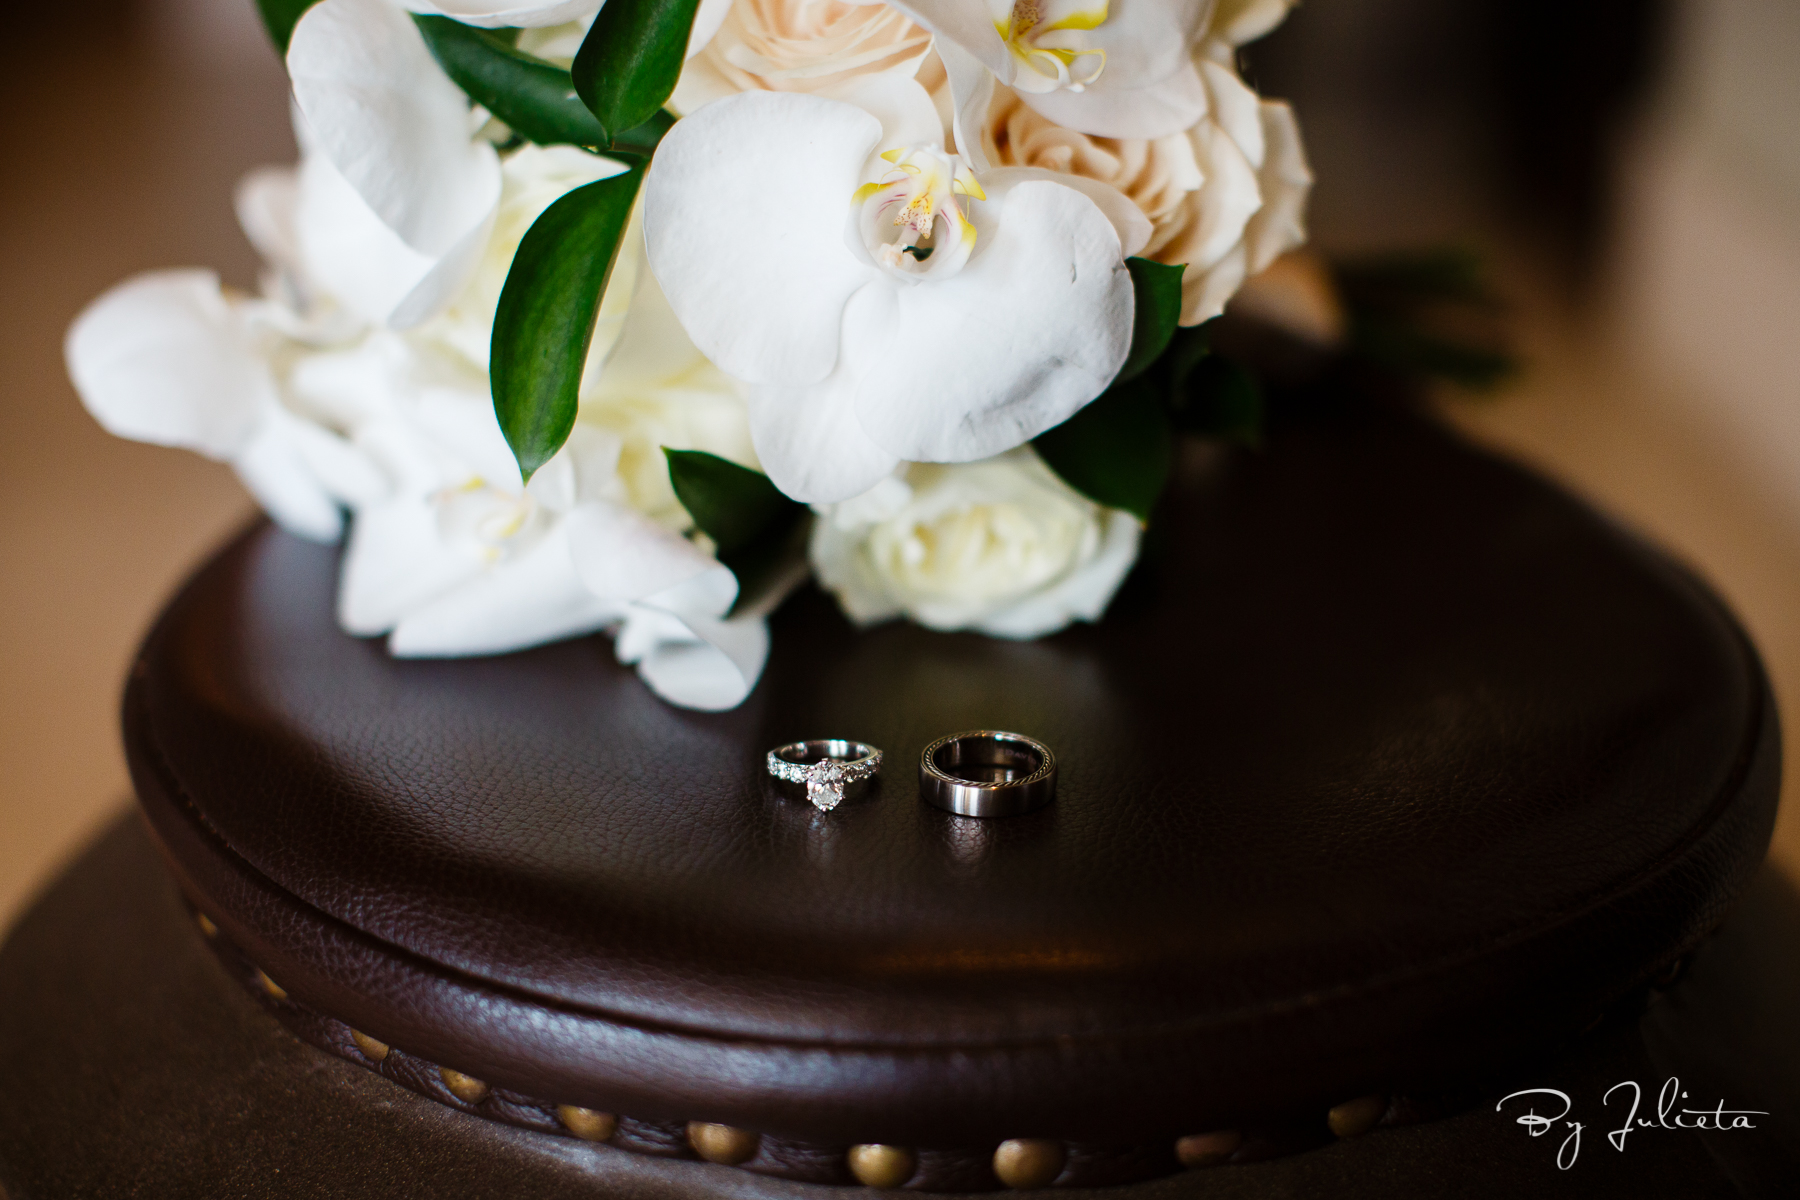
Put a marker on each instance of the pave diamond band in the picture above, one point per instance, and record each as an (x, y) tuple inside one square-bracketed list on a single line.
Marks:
[(828, 769)]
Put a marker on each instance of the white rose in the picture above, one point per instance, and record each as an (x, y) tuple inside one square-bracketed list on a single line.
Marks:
[(1002, 546), (1227, 197), (804, 46)]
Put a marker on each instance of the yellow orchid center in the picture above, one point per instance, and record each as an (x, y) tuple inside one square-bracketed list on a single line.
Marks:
[(911, 219), (1048, 40)]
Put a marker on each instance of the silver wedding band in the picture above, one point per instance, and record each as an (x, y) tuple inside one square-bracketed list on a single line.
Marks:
[(987, 773), (825, 771)]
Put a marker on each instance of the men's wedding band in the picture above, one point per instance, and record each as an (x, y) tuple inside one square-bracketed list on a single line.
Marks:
[(987, 773), (824, 771)]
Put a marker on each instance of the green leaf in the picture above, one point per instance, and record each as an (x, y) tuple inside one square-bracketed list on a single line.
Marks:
[(537, 99), (1415, 352), (1219, 398), (643, 139), (280, 17), (760, 533), (1157, 287), (545, 320), (1117, 450), (1410, 278), (734, 506), (1187, 349), (630, 59)]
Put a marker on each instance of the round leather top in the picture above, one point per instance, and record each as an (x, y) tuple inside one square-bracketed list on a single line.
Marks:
[(1390, 763)]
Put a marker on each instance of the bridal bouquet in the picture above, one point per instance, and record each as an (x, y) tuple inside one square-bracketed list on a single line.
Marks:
[(617, 316)]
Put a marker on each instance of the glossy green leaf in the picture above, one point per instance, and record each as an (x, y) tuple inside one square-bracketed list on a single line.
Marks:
[(1157, 290), (1117, 451), (643, 139), (760, 533), (280, 17), (536, 98), (732, 505), (631, 58), (545, 321)]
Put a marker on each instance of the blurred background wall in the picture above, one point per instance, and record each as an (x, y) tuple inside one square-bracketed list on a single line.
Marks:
[(1630, 167)]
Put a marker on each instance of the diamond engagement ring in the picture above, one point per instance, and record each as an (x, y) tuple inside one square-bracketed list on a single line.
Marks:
[(829, 769)]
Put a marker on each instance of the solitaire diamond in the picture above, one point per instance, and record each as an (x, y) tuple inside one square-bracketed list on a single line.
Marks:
[(825, 784)]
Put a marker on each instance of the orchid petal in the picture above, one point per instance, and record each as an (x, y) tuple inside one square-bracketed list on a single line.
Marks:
[(379, 107), (622, 555), (395, 563), (808, 438), (161, 359), (349, 251), (971, 94), (904, 108), (1021, 338), (695, 661), (741, 259), (968, 24), (1128, 220), (445, 280), (265, 202), (276, 472), (535, 598), (1170, 105), (484, 14)]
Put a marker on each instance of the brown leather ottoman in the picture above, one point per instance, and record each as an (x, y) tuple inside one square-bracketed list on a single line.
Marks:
[(1394, 778)]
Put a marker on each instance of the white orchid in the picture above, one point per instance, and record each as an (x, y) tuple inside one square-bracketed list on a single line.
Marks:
[(455, 555), (381, 115), (169, 358), (883, 301), (323, 399), (1224, 197), (1115, 68), (1002, 546)]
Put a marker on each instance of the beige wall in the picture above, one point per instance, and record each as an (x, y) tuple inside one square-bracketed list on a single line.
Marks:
[(126, 147), (1709, 253)]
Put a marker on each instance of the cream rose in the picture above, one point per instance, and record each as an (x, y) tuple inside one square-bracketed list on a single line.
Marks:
[(1001, 546), (805, 46), (1226, 198)]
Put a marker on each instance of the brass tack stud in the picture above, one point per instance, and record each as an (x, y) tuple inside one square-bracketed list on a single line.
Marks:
[(721, 1143), (880, 1166), (206, 925), (466, 1088), (586, 1124), (1208, 1149), (1029, 1162), (1354, 1118), (371, 1048), (270, 986)]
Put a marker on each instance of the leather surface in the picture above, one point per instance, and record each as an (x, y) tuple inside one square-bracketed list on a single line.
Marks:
[(1391, 763), (135, 1067)]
